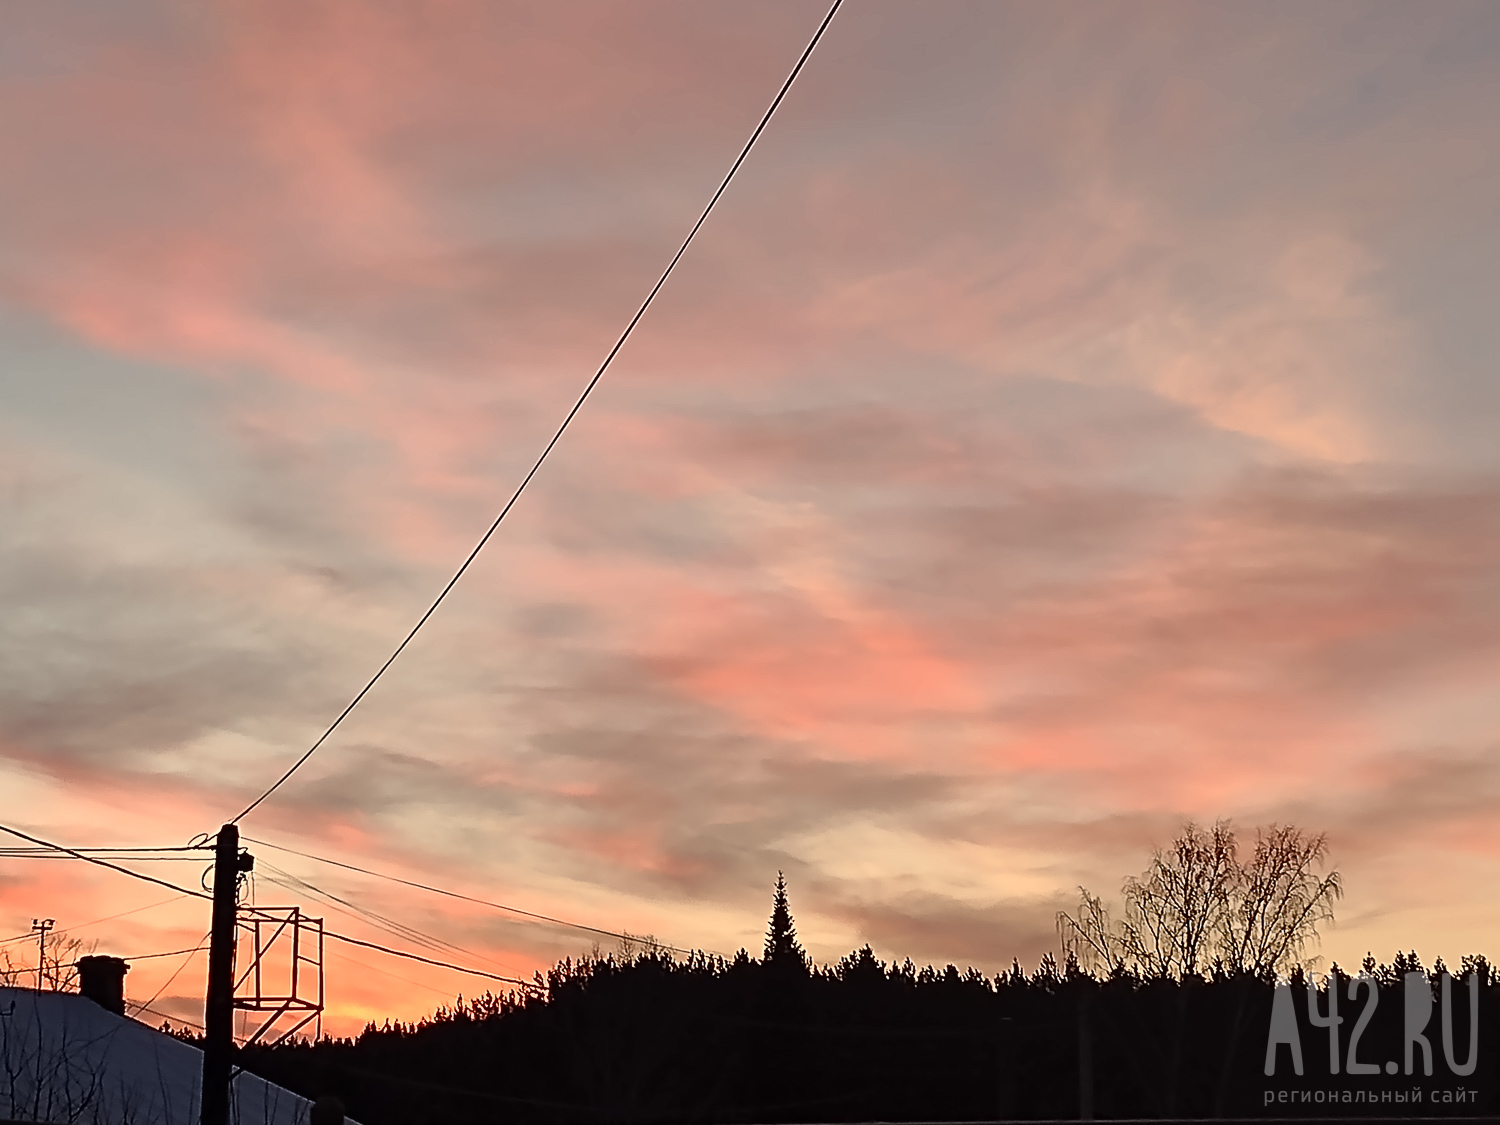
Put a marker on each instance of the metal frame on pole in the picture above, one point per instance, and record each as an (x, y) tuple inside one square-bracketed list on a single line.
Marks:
[(297, 990)]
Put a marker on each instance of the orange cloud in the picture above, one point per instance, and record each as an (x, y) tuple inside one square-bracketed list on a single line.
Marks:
[(1069, 422)]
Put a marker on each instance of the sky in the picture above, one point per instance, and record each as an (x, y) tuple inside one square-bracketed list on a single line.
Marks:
[(1075, 419)]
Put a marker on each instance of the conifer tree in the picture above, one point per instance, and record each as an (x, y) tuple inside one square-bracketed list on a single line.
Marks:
[(782, 948)]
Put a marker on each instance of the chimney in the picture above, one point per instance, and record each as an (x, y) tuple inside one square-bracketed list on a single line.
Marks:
[(102, 980)]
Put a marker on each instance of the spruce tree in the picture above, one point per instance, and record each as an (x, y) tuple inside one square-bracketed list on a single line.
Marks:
[(782, 948)]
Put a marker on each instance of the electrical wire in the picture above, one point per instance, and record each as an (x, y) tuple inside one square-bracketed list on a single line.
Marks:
[(356, 912), (390, 925), (165, 1016), (567, 420), (425, 960), (85, 925), (146, 1007), (42, 853), (293, 883), (470, 898), (367, 968), (398, 928), (18, 852), (196, 894), (106, 863), (169, 953)]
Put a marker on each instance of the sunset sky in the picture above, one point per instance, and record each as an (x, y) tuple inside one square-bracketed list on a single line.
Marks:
[(1076, 418)]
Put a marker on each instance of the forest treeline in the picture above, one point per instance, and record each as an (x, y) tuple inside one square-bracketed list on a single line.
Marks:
[(1162, 1013), (653, 1038)]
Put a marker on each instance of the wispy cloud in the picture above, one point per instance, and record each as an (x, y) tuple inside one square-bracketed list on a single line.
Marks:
[(1073, 421)]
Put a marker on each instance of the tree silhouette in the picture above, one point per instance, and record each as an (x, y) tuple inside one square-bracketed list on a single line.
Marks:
[(1199, 906), (782, 948), (655, 1039), (60, 972)]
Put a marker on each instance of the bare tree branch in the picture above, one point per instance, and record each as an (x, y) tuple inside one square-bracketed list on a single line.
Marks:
[(1197, 907)]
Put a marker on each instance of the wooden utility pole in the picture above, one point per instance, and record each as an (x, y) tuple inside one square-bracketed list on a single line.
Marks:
[(218, 1004), (40, 927)]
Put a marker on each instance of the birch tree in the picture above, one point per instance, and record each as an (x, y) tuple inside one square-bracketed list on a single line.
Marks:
[(1198, 906)]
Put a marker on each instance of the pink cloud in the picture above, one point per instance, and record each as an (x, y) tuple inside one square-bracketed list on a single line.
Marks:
[(971, 476)]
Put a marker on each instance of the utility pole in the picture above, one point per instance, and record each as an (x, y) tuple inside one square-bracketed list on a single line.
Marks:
[(218, 1004), (40, 927), (1085, 1052)]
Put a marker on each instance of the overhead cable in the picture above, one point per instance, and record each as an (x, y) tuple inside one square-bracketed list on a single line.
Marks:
[(478, 901), (425, 960), (169, 953), (354, 910), (198, 894), (48, 853), (146, 1007), (85, 925), (16, 852), (365, 967), (567, 420), (106, 863), (165, 1016), (292, 882)]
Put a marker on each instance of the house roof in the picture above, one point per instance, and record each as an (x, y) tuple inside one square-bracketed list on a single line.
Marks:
[(64, 1058)]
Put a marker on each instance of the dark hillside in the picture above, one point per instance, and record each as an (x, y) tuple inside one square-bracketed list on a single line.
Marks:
[(652, 1038)]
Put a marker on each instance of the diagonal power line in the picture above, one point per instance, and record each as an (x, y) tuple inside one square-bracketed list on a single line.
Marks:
[(354, 910), (470, 898), (85, 925), (567, 420), (425, 960), (106, 863), (166, 984), (169, 953), (77, 854)]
